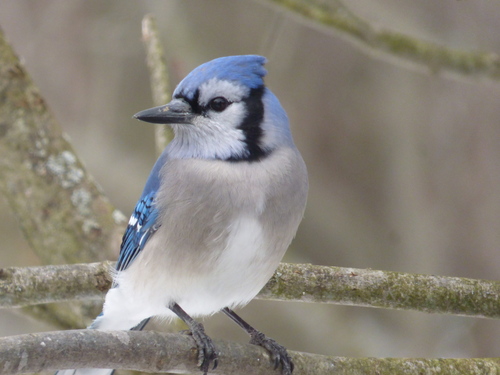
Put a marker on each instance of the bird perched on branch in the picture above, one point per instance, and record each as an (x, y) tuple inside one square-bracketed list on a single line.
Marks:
[(221, 206)]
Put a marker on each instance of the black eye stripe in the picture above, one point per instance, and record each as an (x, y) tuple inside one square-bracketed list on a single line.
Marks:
[(192, 101)]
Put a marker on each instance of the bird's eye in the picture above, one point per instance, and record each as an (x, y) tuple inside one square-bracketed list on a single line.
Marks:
[(218, 104)]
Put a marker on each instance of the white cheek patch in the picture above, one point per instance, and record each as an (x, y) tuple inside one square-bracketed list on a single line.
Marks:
[(216, 136), (231, 117), (215, 87)]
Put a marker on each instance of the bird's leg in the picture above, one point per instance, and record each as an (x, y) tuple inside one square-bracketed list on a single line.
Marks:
[(141, 325), (206, 348), (278, 352)]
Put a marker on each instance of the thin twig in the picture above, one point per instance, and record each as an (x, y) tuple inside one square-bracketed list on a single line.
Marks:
[(158, 74)]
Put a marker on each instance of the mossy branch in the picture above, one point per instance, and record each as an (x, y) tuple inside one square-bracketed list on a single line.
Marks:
[(384, 43), (62, 212), (291, 282), (164, 352)]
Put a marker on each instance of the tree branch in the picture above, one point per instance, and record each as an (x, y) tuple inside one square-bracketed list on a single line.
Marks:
[(163, 352), (21, 287), (385, 289), (382, 43), (291, 282), (62, 212), (160, 84)]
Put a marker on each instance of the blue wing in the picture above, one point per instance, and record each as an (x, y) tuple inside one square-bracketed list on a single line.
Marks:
[(142, 225), (144, 221)]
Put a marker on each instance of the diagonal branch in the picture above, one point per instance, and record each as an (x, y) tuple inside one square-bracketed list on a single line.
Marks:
[(383, 43), (291, 282), (163, 352), (62, 212)]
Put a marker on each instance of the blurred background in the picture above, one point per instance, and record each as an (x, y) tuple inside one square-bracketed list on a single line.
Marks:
[(404, 165)]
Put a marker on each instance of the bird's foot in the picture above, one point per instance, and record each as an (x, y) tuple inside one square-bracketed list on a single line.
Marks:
[(278, 352), (207, 353)]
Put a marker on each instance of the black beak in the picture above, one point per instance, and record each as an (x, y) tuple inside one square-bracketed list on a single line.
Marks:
[(177, 111)]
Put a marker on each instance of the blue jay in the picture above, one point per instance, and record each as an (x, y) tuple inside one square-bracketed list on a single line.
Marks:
[(221, 206)]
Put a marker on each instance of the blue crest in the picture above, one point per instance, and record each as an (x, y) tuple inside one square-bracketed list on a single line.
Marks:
[(247, 70)]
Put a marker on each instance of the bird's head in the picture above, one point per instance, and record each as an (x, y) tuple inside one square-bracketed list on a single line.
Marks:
[(222, 110)]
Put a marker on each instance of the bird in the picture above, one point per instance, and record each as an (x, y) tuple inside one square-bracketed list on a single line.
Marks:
[(217, 213)]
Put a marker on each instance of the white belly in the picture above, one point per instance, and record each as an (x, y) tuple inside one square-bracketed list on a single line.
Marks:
[(231, 278)]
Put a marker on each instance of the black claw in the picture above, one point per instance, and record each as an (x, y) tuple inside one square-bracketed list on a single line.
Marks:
[(279, 354), (216, 362), (206, 349), (276, 362)]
